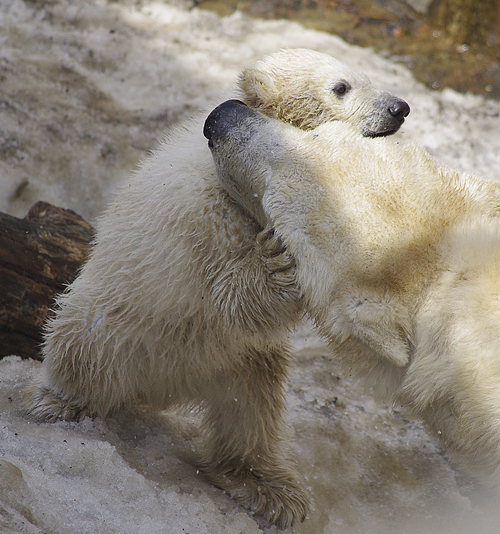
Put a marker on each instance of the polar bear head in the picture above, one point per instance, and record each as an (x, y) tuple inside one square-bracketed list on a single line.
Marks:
[(306, 88)]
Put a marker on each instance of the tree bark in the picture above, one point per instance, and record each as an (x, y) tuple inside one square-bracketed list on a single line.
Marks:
[(471, 22), (39, 256)]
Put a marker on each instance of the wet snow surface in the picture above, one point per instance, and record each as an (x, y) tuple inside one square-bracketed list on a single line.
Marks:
[(87, 87)]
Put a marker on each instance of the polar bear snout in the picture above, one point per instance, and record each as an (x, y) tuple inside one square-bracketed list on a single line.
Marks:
[(231, 130), (399, 110), (223, 117), (391, 114)]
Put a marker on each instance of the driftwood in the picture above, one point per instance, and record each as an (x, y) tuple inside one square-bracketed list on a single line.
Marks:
[(39, 256)]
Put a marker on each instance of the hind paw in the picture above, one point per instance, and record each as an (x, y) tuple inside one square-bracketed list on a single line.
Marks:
[(280, 501), (44, 405)]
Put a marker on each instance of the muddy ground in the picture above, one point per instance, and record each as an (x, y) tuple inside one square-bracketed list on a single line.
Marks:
[(393, 28)]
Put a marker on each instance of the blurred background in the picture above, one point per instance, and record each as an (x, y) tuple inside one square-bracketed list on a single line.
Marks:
[(446, 43)]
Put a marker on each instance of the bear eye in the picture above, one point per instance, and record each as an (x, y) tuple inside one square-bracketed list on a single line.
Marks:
[(341, 88)]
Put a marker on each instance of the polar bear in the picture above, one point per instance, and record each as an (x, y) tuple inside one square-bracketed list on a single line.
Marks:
[(398, 260), (185, 299)]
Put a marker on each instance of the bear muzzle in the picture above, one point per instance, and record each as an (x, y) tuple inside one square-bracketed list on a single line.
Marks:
[(224, 117), (391, 116)]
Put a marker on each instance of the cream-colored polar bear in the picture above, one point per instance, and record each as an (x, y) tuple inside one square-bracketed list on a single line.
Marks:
[(397, 257), (187, 300)]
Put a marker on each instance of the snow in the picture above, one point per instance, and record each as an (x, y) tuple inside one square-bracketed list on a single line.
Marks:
[(87, 87)]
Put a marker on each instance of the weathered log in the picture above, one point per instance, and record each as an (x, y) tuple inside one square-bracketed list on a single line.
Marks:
[(39, 256)]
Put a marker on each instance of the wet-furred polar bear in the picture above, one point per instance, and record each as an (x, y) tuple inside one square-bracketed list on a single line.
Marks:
[(398, 260), (187, 300)]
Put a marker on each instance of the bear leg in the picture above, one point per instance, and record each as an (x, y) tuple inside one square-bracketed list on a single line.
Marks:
[(260, 293), (244, 417)]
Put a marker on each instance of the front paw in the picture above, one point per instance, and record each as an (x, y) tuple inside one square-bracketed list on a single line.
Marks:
[(278, 263)]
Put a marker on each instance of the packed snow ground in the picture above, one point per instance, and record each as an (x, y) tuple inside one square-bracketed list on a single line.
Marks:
[(87, 87)]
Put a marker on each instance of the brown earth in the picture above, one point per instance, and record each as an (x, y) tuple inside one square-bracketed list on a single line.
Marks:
[(394, 29)]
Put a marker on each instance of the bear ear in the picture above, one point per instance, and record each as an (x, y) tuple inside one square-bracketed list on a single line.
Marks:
[(257, 88)]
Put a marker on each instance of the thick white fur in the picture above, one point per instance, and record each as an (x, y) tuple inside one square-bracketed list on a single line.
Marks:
[(399, 260), (297, 87), (185, 299)]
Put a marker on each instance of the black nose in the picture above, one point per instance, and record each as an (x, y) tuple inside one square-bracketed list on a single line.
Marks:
[(399, 110), (221, 118)]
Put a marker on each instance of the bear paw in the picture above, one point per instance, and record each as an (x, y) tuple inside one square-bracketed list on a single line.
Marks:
[(279, 501), (45, 406), (278, 263)]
